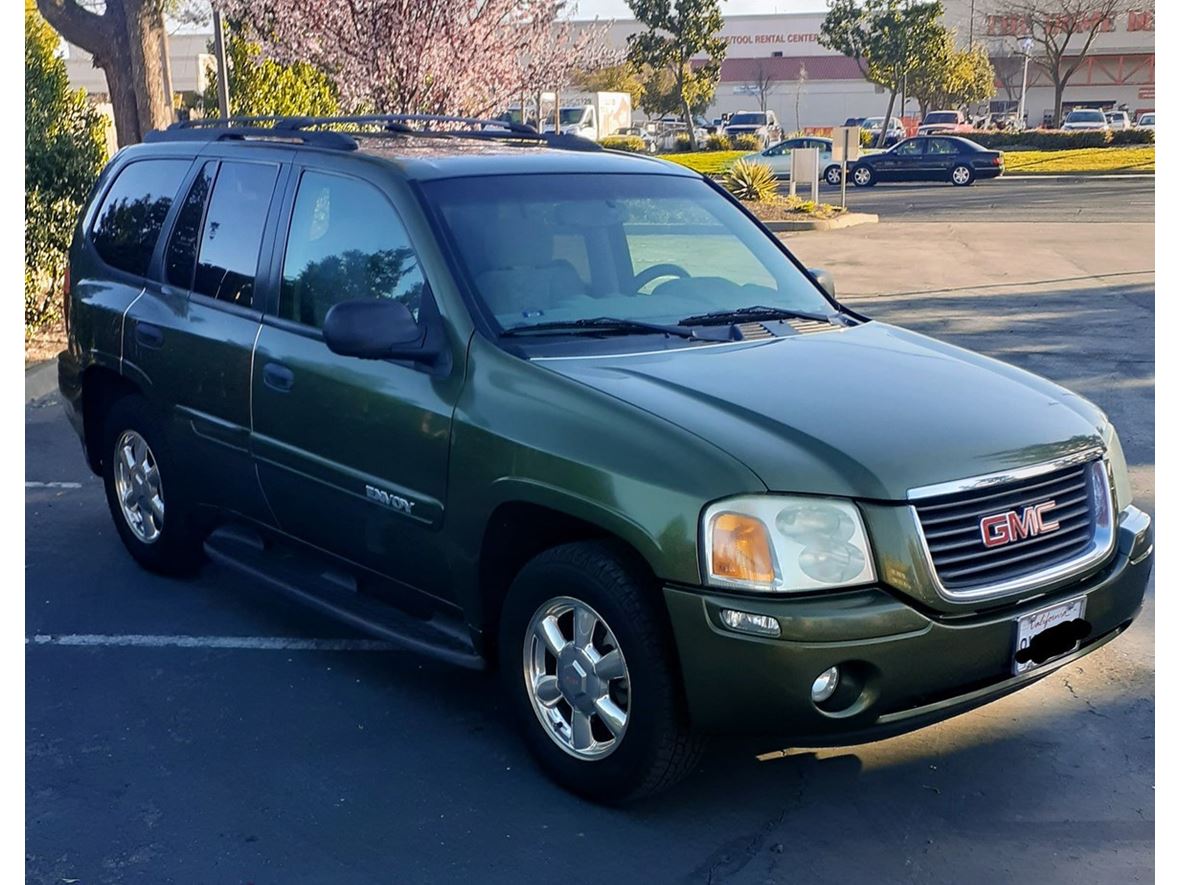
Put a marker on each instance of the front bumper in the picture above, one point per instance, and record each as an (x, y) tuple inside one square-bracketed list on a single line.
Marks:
[(903, 667)]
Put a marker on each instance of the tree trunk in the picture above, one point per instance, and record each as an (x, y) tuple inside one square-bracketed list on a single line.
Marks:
[(1058, 92), (888, 116), (125, 41), (685, 109)]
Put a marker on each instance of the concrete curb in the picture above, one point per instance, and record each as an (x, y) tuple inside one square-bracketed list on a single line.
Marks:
[(850, 219), (1032, 176), (40, 380)]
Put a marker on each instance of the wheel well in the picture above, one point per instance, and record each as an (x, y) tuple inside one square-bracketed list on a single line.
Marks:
[(516, 532), (100, 388)]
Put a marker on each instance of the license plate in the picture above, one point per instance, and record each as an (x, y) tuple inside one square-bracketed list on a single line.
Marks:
[(1029, 653)]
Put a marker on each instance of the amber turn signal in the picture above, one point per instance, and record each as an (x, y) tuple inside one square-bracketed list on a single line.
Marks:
[(741, 549)]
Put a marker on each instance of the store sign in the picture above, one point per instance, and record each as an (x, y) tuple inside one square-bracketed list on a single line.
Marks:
[(773, 39), (1147, 92), (1019, 25)]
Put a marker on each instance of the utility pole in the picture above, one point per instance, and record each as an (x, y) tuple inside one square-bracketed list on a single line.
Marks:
[(1026, 45), (222, 66)]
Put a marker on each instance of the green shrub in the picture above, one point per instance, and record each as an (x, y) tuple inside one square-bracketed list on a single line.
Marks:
[(630, 143), (746, 142), (1121, 137), (1042, 140), (65, 149), (717, 142), (752, 182), (683, 143), (260, 86)]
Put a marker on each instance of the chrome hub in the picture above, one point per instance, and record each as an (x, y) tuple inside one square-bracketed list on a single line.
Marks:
[(138, 487)]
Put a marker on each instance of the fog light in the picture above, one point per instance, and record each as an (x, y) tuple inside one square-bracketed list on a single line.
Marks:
[(745, 622), (825, 684)]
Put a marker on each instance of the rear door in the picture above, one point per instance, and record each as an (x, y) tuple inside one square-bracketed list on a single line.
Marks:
[(192, 333), (941, 156), (352, 452)]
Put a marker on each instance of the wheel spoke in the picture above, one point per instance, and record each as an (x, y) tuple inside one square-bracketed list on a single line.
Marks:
[(581, 735), (610, 714), (129, 457), (547, 691), (610, 665), (584, 623), (549, 631), (157, 508)]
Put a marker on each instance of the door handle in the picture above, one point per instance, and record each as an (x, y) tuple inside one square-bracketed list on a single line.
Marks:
[(278, 377), (149, 335)]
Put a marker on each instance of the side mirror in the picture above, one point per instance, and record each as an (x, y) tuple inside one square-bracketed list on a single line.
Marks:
[(826, 281), (374, 329)]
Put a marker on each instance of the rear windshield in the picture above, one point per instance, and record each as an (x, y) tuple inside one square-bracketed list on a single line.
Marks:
[(658, 248), (748, 120), (1085, 117), (944, 117)]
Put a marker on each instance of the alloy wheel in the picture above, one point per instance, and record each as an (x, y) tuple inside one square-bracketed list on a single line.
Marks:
[(861, 176), (577, 678), (138, 486), (960, 175)]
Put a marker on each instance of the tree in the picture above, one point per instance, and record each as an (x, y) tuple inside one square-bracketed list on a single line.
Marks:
[(677, 31), (439, 57), (65, 149), (950, 77), (762, 83), (887, 38), (259, 86), (126, 40), (613, 78), (1062, 33), (800, 85)]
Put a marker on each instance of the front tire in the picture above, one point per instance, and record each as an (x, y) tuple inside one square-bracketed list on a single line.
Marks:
[(145, 491), (862, 176), (587, 660), (962, 175), (832, 176)]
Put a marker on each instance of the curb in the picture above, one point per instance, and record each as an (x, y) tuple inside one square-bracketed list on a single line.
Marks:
[(1073, 175), (850, 219), (40, 380)]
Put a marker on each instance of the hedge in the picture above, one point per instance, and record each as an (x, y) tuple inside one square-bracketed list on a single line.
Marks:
[(1056, 140), (631, 143)]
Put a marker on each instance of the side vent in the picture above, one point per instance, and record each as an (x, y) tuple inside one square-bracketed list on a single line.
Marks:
[(808, 327), (752, 331)]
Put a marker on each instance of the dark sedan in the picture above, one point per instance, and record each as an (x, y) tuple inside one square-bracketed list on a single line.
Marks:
[(929, 158)]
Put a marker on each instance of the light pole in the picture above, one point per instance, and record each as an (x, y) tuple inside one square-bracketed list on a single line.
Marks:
[(1026, 45)]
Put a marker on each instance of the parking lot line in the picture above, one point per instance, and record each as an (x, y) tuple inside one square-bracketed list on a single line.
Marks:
[(53, 485), (263, 643)]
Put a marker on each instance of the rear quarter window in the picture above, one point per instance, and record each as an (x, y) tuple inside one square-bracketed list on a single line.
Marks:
[(132, 213)]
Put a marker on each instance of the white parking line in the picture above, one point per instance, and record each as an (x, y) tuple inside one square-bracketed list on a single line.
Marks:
[(263, 643), (53, 485)]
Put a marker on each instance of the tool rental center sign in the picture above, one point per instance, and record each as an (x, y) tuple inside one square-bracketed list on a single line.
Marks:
[(781, 39)]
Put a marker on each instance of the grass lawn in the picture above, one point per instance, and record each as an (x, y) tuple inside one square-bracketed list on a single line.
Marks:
[(706, 162), (1079, 160)]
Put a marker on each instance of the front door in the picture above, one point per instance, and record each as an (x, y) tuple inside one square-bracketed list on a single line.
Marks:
[(352, 453), (902, 162)]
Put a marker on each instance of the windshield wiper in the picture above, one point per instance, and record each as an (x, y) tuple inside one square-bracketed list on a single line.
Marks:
[(756, 312), (598, 325)]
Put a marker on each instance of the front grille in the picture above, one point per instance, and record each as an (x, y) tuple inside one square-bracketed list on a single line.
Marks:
[(952, 527)]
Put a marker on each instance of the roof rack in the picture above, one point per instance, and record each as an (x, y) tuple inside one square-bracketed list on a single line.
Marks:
[(305, 130)]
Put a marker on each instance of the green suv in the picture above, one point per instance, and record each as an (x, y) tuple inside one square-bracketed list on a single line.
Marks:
[(513, 400)]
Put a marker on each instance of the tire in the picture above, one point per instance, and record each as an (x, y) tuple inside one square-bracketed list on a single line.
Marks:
[(832, 176), (962, 175), (862, 176), (166, 539), (655, 747)]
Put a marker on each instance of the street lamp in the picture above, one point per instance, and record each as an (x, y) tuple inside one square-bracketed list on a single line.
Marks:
[(1026, 44)]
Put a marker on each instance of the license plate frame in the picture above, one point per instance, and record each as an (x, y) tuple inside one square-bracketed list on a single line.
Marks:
[(1028, 627)]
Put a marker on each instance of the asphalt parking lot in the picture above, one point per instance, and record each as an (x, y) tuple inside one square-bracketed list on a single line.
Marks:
[(272, 747)]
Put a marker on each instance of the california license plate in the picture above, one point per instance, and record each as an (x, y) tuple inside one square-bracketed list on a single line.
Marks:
[(1047, 634)]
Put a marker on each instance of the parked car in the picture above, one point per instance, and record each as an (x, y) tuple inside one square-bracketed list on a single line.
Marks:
[(778, 157), (894, 134), (1081, 119), (944, 123), (763, 125), (1118, 119), (650, 142), (929, 158), (854, 121), (577, 415), (1146, 121), (668, 129)]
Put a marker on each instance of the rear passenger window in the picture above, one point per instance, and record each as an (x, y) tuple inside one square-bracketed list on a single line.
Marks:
[(345, 242), (232, 234), (181, 257), (129, 221)]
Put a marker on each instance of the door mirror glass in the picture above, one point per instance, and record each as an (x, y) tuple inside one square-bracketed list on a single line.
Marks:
[(372, 328), (826, 281)]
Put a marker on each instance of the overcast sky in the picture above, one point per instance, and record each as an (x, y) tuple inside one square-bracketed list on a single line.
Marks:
[(618, 8)]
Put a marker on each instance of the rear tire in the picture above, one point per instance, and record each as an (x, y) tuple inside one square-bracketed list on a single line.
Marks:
[(162, 539), (962, 175), (620, 757), (862, 176)]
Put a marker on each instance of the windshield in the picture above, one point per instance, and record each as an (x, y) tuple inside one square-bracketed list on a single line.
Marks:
[(1085, 117), (657, 248), (748, 120), (944, 117), (572, 115), (1148, 118)]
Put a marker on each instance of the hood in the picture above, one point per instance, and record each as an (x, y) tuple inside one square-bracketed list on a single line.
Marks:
[(870, 411)]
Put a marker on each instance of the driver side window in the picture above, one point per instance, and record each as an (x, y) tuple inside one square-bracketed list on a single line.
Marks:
[(910, 148)]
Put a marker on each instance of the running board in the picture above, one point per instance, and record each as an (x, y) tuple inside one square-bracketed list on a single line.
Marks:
[(317, 582)]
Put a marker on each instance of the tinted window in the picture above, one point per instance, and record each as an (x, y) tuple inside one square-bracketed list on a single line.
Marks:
[(232, 233), (941, 118), (942, 146), (129, 221), (909, 148), (345, 242), (181, 257)]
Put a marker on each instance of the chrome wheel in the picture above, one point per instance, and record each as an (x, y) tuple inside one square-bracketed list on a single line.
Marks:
[(576, 677), (960, 175), (137, 484), (862, 176), (833, 175)]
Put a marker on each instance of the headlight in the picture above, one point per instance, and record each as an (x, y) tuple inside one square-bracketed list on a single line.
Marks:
[(1118, 468), (784, 544)]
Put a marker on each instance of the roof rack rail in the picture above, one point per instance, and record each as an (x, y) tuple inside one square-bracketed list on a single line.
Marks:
[(305, 130)]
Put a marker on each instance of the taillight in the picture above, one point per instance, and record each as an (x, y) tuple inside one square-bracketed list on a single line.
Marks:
[(998, 160), (65, 302)]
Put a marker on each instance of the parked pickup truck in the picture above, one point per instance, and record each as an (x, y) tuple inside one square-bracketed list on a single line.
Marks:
[(944, 123)]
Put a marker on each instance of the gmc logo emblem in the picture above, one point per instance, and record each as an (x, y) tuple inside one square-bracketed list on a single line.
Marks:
[(1005, 528)]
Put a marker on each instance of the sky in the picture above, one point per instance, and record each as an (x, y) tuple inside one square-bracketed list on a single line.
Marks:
[(618, 8)]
